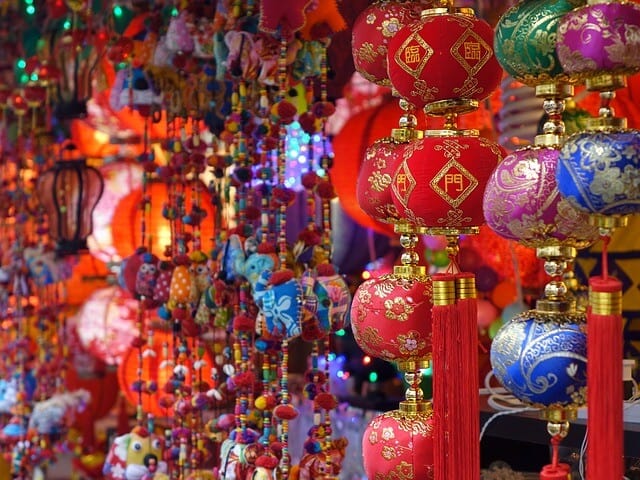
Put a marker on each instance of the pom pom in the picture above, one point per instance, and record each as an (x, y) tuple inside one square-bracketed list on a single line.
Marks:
[(323, 109), (308, 123), (285, 412), (243, 323), (309, 180), (283, 196), (138, 342), (265, 402), (281, 276), (266, 248), (252, 213), (286, 111), (325, 270), (325, 190), (312, 447), (244, 380), (267, 461), (326, 401), (309, 237)]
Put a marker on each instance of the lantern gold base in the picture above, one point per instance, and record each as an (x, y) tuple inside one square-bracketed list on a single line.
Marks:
[(413, 365), (408, 407), (405, 135), (410, 271), (471, 132), (606, 123), (454, 106), (559, 414), (556, 252), (452, 231), (551, 140), (554, 90), (609, 222)]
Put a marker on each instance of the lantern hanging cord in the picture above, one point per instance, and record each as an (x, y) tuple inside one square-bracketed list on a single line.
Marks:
[(606, 239), (453, 248)]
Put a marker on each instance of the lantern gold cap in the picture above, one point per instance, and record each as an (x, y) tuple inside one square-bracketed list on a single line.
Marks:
[(606, 123), (554, 90), (410, 271), (551, 140), (422, 406), (447, 8), (406, 135), (445, 132), (605, 82), (451, 106), (559, 414), (546, 305), (413, 365)]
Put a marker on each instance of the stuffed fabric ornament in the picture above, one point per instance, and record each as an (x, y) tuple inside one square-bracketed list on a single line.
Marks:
[(338, 296), (323, 21), (200, 272), (178, 38), (242, 59), (135, 456), (55, 415), (147, 276), (132, 88), (182, 283), (278, 295), (163, 282), (314, 324), (286, 17)]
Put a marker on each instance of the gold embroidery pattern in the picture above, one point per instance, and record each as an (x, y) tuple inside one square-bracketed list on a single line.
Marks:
[(367, 53), (402, 471), (379, 182), (417, 424), (371, 18), (454, 218), (398, 309), (424, 92), (453, 183), (471, 52), (390, 27), (409, 344), (370, 336), (403, 183), (413, 55)]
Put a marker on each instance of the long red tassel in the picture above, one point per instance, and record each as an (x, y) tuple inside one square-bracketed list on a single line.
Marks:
[(455, 378), (444, 309), (604, 379), (555, 470)]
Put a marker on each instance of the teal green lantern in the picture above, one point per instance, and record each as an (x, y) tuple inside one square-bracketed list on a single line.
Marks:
[(525, 40)]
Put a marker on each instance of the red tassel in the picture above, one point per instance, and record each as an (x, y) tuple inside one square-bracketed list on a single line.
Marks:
[(604, 379), (555, 471), (455, 378)]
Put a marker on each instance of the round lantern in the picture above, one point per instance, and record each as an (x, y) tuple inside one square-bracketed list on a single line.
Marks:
[(440, 181), (157, 371), (541, 358), (525, 40), (125, 227), (599, 171), (444, 60), (106, 323), (391, 319), (373, 188), (398, 444), (522, 202), (373, 29), (600, 40)]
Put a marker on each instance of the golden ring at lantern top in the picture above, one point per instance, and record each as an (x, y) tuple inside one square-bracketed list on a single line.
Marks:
[(452, 106), (550, 140), (405, 135), (405, 227), (557, 307), (430, 12), (559, 414), (414, 365), (609, 221), (421, 407), (554, 90), (471, 132), (606, 124), (556, 251)]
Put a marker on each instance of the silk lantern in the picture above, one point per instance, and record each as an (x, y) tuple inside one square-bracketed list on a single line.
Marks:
[(372, 31), (444, 61), (69, 192)]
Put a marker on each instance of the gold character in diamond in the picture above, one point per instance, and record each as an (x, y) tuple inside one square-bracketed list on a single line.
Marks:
[(471, 51), (401, 183), (455, 180), (412, 54)]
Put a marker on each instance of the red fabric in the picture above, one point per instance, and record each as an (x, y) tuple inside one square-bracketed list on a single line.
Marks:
[(442, 183), (444, 59)]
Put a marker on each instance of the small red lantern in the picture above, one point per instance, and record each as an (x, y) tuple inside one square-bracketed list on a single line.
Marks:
[(399, 444), (444, 58), (372, 31), (440, 182), (69, 192)]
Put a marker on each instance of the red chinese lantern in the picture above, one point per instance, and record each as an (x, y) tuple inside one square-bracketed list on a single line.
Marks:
[(125, 228), (69, 192), (106, 323), (373, 29), (156, 370), (446, 57)]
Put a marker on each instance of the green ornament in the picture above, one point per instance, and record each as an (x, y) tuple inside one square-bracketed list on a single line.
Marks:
[(525, 40)]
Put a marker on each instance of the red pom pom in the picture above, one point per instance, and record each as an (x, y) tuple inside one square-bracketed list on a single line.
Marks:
[(266, 248), (138, 342), (323, 109), (243, 323), (267, 461), (244, 380), (309, 237), (325, 190), (326, 401), (308, 123), (286, 111), (325, 270), (252, 213), (309, 180), (283, 196), (281, 276), (285, 412), (269, 143)]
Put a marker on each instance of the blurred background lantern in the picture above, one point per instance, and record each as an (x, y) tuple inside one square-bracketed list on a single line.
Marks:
[(69, 192), (106, 323)]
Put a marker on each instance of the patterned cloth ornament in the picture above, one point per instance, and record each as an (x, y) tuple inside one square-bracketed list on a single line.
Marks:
[(372, 31)]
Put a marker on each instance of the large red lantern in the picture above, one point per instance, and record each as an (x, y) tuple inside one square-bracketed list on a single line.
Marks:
[(444, 58), (373, 29), (69, 192), (440, 183)]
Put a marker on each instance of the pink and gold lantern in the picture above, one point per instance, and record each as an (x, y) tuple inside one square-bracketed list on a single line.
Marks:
[(372, 31), (443, 60)]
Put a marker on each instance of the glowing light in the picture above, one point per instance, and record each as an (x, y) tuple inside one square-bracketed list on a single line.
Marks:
[(67, 24), (366, 360), (30, 10), (117, 11), (21, 63), (340, 333), (366, 275), (34, 77), (331, 357), (427, 372), (373, 377)]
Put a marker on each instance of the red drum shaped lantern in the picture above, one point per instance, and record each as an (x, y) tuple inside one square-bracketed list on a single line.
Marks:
[(446, 58), (440, 182)]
